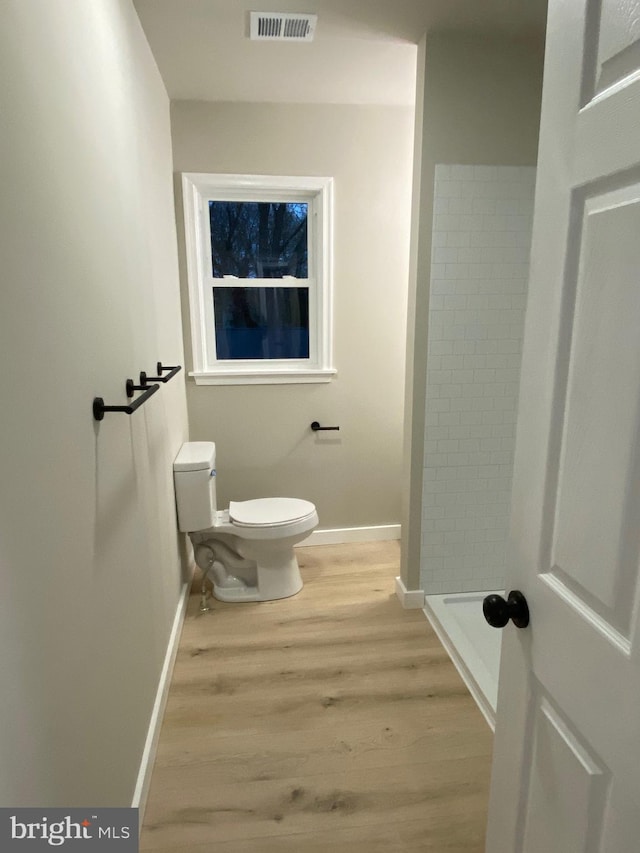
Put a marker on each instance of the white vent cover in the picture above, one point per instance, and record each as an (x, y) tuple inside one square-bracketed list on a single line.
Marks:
[(282, 26)]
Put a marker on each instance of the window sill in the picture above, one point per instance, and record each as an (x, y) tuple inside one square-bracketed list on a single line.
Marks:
[(263, 377)]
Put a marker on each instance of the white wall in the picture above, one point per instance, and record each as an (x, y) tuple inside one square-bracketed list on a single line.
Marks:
[(90, 565), (479, 269), (264, 443), (478, 103)]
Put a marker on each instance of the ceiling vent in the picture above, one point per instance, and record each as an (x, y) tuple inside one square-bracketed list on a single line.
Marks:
[(282, 26)]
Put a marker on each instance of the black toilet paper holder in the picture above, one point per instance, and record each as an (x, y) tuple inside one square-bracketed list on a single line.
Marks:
[(315, 426)]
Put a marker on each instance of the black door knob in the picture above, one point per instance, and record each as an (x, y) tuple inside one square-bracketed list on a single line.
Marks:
[(497, 611)]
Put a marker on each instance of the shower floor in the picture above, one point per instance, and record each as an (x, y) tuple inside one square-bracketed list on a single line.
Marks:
[(473, 646)]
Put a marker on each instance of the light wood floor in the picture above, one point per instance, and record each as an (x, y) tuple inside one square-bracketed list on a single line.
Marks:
[(330, 721)]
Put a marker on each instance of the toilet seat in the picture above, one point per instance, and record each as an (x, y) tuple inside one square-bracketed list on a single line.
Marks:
[(269, 512)]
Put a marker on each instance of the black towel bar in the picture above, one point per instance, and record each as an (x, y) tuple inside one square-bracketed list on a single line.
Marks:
[(160, 369), (131, 387), (99, 407)]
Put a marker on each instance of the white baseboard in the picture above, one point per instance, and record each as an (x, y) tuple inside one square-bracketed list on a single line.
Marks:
[(153, 732), (340, 535), (411, 599)]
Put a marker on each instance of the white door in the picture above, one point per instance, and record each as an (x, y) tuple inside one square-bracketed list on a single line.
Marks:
[(566, 775)]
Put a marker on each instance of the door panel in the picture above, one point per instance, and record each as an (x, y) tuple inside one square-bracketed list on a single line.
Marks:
[(598, 499), (565, 779), (613, 27), (566, 771)]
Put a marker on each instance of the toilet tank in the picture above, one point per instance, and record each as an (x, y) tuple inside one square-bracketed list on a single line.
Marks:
[(194, 476)]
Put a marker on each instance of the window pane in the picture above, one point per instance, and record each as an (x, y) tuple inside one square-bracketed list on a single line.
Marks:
[(258, 239), (261, 322)]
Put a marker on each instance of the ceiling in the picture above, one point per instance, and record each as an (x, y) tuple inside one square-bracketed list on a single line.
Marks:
[(364, 51)]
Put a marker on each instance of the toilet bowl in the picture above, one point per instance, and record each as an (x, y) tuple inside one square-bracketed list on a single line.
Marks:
[(248, 548)]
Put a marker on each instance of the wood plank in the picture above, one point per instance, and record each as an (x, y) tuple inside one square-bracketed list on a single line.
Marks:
[(333, 719), (205, 808), (440, 835)]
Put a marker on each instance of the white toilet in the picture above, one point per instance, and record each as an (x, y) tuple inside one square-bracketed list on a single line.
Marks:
[(248, 548)]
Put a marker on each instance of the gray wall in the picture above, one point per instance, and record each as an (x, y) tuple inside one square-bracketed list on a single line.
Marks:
[(264, 443), (89, 557), (478, 103)]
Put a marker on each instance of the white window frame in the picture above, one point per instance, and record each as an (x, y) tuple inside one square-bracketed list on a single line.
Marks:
[(197, 190)]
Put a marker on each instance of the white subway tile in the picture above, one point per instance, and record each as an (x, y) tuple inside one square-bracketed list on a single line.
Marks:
[(465, 317), (475, 361), (435, 460), (439, 286), (451, 390), (439, 377), (484, 375), (444, 255), (440, 347), (437, 433), (483, 404), (453, 362), (471, 390), (462, 376), (455, 270), (433, 391), (449, 189), (475, 332), (441, 205), (512, 346), (495, 389), (433, 537), (478, 302), (446, 499), (432, 487), (460, 239), (457, 333), (446, 222), (433, 512), (449, 420), (458, 430), (462, 405), (480, 252), (455, 301), (504, 431), (464, 204), (454, 536)]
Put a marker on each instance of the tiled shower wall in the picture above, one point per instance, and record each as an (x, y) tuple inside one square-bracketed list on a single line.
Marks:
[(481, 241)]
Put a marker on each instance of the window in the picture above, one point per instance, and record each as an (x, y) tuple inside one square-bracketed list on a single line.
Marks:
[(259, 266)]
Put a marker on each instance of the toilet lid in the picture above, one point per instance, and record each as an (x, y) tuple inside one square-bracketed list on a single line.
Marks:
[(268, 512)]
